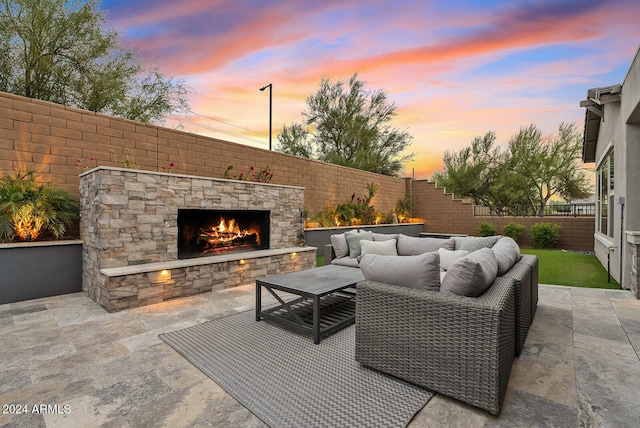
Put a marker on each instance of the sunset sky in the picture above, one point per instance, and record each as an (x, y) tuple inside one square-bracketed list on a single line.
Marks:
[(455, 69)]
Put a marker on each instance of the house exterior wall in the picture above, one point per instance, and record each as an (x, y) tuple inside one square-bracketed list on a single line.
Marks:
[(620, 128), (611, 137)]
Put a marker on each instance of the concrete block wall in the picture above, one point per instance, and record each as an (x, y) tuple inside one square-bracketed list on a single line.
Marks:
[(442, 213), (51, 138)]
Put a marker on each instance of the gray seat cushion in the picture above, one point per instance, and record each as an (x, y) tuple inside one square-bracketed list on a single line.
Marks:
[(345, 261)]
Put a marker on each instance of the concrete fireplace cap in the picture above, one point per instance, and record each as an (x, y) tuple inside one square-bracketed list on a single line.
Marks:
[(175, 264), (170, 174)]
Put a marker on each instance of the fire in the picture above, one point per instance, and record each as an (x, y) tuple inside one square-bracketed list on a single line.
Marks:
[(227, 234)]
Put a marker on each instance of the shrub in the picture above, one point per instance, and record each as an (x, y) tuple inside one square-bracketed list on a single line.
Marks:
[(545, 235), (28, 208), (513, 230), (487, 229), (404, 208)]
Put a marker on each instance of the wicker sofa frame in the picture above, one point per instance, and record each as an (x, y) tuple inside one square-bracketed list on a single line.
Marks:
[(462, 347)]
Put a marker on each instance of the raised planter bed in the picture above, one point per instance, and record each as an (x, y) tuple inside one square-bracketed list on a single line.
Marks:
[(32, 270)]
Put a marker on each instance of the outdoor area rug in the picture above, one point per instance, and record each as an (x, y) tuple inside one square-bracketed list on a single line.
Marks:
[(287, 381)]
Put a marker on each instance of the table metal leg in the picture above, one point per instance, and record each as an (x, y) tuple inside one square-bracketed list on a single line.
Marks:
[(258, 300), (316, 320)]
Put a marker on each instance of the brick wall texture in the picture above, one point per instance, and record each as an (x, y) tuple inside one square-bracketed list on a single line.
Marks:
[(442, 213), (50, 138)]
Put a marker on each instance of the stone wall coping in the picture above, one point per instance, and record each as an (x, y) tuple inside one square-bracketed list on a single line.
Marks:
[(42, 243), (170, 174), (199, 261), (633, 237)]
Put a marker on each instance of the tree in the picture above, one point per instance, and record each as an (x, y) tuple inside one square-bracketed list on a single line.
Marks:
[(349, 127), (526, 175), (550, 167), (56, 50)]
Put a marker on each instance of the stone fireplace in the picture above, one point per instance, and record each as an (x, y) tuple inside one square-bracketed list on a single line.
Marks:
[(148, 237)]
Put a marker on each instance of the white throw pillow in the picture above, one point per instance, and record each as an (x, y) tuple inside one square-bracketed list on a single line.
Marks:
[(384, 248), (448, 257), (471, 275), (421, 271)]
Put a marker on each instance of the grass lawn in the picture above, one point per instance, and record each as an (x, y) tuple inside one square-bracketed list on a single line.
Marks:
[(559, 267)]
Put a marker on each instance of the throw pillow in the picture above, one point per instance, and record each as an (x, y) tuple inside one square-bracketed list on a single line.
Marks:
[(340, 245), (354, 238), (472, 244), (448, 257), (507, 254), (421, 271), (471, 275), (384, 248), (410, 246)]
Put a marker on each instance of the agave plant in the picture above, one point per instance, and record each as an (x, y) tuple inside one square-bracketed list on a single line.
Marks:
[(28, 208)]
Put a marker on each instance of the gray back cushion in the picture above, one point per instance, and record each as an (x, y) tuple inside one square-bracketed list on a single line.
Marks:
[(340, 245), (384, 236), (507, 254), (471, 275), (421, 271), (471, 244), (410, 246), (353, 239)]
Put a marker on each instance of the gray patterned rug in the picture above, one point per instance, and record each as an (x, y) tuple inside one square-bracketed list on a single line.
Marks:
[(287, 381)]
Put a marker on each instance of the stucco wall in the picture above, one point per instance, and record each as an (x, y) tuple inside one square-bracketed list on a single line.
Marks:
[(50, 138)]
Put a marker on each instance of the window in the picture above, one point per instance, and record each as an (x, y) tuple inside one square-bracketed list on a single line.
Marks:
[(605, 195)]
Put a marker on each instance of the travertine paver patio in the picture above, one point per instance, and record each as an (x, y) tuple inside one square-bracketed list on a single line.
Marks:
[(580, 365)]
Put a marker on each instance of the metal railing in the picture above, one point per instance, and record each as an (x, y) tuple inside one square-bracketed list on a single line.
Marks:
[(553, 210)]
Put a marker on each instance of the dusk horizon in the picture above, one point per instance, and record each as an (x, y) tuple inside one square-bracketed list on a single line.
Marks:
[(454, 71)]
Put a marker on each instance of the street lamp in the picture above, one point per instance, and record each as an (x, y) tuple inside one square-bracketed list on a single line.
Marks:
[(270, 86)]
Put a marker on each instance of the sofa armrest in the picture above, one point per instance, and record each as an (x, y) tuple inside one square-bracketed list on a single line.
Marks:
[(329, 254), (462, 347), (532, 260)]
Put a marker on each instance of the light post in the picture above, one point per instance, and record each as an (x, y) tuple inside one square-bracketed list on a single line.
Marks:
[(270, 86)]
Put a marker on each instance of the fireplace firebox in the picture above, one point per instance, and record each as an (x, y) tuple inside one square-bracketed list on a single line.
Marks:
[(204, 233)]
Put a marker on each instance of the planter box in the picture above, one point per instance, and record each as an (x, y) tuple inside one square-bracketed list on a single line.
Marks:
[(319, 237), (32, 270)]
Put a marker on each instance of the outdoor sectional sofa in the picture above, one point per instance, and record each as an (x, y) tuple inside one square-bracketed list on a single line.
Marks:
[(457, 345)]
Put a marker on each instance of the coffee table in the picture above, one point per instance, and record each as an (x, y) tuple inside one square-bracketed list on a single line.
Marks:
[(326, 301)]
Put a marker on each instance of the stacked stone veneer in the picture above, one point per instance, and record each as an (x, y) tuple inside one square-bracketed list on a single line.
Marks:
[(129, 228)]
